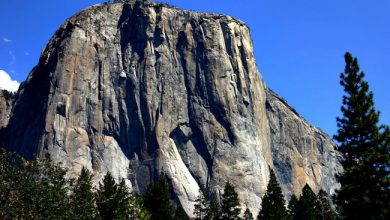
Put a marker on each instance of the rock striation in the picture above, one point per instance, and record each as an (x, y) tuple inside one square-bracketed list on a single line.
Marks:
[(139, 87), (6, 99), (301, 152)]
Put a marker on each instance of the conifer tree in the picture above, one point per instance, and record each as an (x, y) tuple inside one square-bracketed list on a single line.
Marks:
[(112, 198), (365, 181), (273, 205), (293, 207), (230, 207), (306, 208), (247, 215), (157, 199), (82, 198), (9, 177), (180, 214), (56, 188), (202, 206), (215, 209), (40, 192), (137, 209), (326, 212)]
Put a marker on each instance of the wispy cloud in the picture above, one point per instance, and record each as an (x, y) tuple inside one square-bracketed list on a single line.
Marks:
[(6, 40), (27, 53), (7, 83), (13, 57)]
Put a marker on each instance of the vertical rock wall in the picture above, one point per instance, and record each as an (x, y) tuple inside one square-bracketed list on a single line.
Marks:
[(6, 99), (136, 88)]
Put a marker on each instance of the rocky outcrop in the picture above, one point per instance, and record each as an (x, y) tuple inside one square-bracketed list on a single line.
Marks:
[(301, 153), (136, 88), (6, 99)]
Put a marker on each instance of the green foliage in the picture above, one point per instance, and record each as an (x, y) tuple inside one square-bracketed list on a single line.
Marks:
[(273, 205), (82, 197), (365, 182), (112, 199), (325, 209), (307, 206), (202, 207), (207, 206), (157, 200), (311, 206), (43, 192), (180, 214), (37, 190), (9, 175), (215, 208), (247, 215), (230, 207), (293, 206), (137, 210)]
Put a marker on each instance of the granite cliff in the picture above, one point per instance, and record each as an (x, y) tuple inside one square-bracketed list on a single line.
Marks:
[(139, 87), (6, 99)]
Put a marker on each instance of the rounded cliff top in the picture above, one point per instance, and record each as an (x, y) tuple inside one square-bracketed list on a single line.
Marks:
[(154, 4)]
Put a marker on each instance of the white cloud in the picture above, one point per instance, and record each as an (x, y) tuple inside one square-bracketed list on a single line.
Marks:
[(13, 57), (27, 53), (6, 40), (7, 83)]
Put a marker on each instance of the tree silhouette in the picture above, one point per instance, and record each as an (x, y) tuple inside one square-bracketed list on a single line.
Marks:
[(215, 208), (293, 207), (39, 191), (157, 199), (247, 215), (82, 198), (365, 182), (307, 206), (112, 198), (273, 205), (230, 207), (202, 206), (180, 214), (326, 212)]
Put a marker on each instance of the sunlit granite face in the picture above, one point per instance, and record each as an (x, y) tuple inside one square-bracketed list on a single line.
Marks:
[(136, 88)]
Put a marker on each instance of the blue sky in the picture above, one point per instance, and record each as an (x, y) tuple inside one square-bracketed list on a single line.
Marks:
[(299, 45)]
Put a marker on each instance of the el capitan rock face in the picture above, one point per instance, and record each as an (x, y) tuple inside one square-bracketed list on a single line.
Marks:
[(6, 99), (135, 88), (301, 153)]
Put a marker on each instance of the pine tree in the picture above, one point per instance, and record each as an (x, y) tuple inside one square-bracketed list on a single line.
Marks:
[(180, 214), (56, 189), (230, 207), (273, 205), (325, 211), (365, 182), (293, 207), (137, 209), (247, 215), (306, 208), (215, 209), (112, 198), (40, 192), (202, 206), (9, 178), (82, 198), (157, 199)]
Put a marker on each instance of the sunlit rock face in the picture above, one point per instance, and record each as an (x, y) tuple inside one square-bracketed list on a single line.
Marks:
[(138, 88), (6, 99), (301, 152)]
